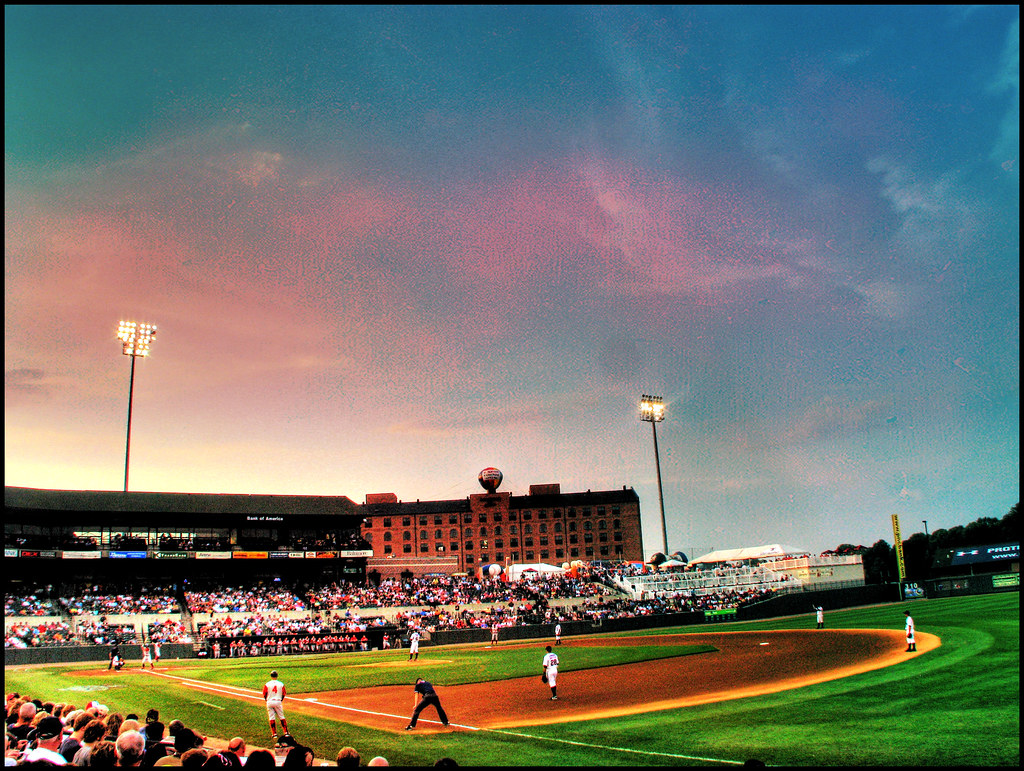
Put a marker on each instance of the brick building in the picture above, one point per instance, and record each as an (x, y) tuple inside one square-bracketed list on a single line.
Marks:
[(460, 535)]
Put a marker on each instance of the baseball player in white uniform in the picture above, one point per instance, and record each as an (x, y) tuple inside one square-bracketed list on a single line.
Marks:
[(146, 658), (909, 626), (819, 616), (414, 644), (558, 634), (274, 693), (550, 665)]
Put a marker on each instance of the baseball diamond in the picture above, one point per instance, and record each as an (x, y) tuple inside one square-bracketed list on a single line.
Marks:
[(744, 664)]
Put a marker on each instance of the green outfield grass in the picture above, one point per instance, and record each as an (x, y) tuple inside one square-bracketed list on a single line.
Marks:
[(957, 705)]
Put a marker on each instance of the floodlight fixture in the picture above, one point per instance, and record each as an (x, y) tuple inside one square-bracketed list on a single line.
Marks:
[(652, 410), (136, 340)]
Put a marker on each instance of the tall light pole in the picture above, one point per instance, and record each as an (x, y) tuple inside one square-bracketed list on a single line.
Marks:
[(135, 341), (652, 410)]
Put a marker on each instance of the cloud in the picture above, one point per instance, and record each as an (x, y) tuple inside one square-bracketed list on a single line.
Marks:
[(830, 418)]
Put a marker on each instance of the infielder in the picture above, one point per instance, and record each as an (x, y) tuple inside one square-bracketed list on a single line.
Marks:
[(156, 654), (494, 633), (414, 644), (558, 634), (819, 613), (909, 626), (274, 693), (550, 666)]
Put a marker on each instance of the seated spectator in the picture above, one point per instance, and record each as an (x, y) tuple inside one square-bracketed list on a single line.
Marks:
[(130, 748), (92, 734), (260, 760), (347, 757)]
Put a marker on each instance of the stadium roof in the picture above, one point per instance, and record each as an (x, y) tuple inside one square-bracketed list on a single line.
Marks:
[(751, 553)]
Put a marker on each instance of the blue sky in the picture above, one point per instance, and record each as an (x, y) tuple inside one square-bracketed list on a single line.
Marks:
[(387, 247)]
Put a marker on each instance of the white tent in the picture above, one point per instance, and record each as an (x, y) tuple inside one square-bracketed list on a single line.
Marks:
[(515, 572), (776, 550)]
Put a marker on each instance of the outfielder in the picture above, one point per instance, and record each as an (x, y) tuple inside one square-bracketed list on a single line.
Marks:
[(274, 693), (550, 666), (558, 634), (819, 614)]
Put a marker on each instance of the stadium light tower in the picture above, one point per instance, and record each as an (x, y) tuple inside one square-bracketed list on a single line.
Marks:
[(652, 410), (136, 340)]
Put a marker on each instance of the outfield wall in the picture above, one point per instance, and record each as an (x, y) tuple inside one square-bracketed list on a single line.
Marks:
[(71, 654)]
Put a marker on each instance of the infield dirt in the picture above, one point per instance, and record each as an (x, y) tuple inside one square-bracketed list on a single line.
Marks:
[(744, 664)]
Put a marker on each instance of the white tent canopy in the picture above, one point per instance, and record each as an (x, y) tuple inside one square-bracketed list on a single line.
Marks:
[(751, 553), (514, 572)]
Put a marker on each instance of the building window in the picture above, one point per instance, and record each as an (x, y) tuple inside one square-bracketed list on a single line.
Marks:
[(604, 551), (469, 559), (453, 533), (617, 536), (423, 535), (406, 521), (469, 545), (499, 556), (602, 524), (558, 527), (454, 545), (543, 527), (469, 532), (483, 518), (497, 516), (453, 519), (387, 537), (588, 525), (437, 534), (528, 543), (527, 529), (544, 555), (543, 541), (406, 536), (387, 548), (602, 537), (499, 543), (497, 532), (423, 521), (407, 548), (483, 532), (387, 521), (437, 519), (542, 514), (527, 516), (467, 518), (423, 548)]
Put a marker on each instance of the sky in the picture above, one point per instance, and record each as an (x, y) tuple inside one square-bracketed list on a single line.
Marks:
[(387, 247)]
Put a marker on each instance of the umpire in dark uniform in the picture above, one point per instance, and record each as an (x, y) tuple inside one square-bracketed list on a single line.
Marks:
[(427, 696)]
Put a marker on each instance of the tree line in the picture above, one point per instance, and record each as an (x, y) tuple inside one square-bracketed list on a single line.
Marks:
[(919, 550)]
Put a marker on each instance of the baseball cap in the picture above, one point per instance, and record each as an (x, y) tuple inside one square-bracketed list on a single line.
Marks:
[(49, 727)]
